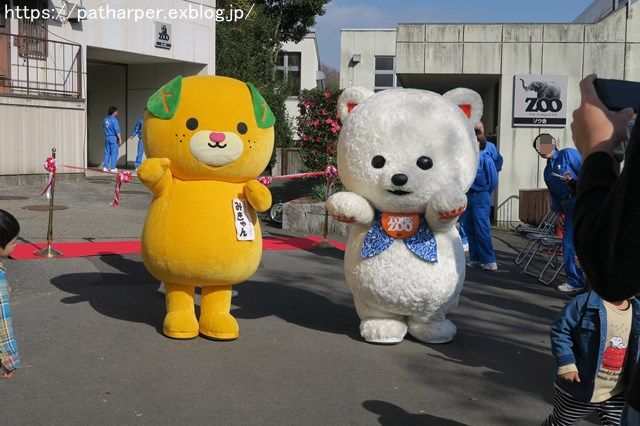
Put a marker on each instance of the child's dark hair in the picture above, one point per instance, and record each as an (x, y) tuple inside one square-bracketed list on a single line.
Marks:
[(482, 139), (9, 228), (112, 110)]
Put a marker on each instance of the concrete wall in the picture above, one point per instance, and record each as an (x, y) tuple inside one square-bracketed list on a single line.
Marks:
[(117, 41), (31, 127), (610, 48), (368, 44), (193, 40)]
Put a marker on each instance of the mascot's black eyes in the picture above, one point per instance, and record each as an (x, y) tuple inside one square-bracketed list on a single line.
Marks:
[(242, 128), (378, 162), (424, 162), (192, 124)]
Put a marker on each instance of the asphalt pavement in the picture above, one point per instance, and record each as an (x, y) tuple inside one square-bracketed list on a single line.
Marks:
[(89, 331)]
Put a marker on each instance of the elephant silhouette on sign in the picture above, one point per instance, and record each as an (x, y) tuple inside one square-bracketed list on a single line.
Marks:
[(543, 89)]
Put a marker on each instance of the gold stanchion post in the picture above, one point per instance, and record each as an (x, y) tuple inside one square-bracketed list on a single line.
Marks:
[(324, 244), (50, 251)]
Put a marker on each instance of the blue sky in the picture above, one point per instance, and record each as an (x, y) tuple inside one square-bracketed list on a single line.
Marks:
[(342, 14)]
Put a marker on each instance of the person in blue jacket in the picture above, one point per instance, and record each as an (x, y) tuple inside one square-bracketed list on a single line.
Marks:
[(561, 176), (595, 345), (112, 140), (476, 218), (137, 131), (491, 150)]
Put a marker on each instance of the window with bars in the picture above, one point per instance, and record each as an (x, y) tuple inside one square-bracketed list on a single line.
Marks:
[(288, 69), (32, 36), (384, 73)]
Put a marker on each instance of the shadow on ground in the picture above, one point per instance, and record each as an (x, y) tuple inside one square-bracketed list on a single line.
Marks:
[(392, 415), (295, 305), (129, 295)]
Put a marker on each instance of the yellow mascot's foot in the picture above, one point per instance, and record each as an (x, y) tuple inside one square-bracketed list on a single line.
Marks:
[(219, 326), (180, 325)]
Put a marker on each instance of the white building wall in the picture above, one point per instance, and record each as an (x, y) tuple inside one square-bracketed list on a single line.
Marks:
[(309, 66), (31, 127), (64, 124), (368, 44), (610, 48), (193, 40)]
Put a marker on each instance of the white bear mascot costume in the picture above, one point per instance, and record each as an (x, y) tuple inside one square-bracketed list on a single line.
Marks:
[(407, 158)]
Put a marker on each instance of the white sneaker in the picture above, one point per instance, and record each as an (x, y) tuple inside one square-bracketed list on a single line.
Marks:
[(161, 288), (234, 293), (473, 264), (493, 266), (465, 247), (114, 170), (104, 169), (568, 288)]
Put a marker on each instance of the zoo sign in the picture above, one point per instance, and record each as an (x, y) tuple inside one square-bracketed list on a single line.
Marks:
[(162, 36), (539, 100)]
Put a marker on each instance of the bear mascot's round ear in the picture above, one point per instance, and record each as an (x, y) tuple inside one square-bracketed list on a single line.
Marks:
[(469, 101), (164, 103), (350, 98), (264, 115)]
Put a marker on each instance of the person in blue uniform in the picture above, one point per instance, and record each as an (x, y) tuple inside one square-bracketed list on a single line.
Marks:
[(491, 150), (561, 176), (112, 140), (137, 131), (476, 218)]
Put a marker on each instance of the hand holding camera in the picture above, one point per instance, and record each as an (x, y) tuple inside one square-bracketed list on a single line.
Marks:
[(595, 126)]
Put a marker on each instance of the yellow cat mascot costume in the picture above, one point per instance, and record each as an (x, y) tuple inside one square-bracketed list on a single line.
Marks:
[(206, 138)]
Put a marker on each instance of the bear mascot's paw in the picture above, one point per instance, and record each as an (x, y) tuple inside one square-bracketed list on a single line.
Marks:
[(388, 331), (442, 331), (445, 207), (350, 208)]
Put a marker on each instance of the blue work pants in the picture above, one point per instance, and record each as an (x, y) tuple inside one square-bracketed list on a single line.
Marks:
[(477, 226), (110, 152)]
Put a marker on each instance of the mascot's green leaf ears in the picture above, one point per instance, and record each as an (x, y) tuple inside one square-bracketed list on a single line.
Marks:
[(264, 116), (164, 103)]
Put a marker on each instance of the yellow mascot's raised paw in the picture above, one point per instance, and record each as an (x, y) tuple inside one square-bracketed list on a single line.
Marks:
[(206, 138)]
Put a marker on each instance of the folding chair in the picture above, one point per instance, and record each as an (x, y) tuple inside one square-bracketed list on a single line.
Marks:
[(535, 236), (549, 218), (554, 244), (537, 243)]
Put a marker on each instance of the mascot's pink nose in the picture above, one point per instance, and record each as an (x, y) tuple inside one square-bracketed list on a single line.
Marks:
[(216, 137)]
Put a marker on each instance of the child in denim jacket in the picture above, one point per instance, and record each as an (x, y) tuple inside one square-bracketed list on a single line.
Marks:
[(595, 344)]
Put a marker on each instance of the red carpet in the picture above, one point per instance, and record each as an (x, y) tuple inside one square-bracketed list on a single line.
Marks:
[(97, 248)]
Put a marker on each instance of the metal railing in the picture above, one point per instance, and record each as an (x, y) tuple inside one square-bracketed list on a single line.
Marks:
[(40, 67), (505, 218)]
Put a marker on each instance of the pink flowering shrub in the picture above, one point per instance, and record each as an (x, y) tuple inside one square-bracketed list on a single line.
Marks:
[(318, 128)]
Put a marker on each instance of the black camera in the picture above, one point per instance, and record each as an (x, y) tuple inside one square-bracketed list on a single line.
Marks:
[(617, 95)]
